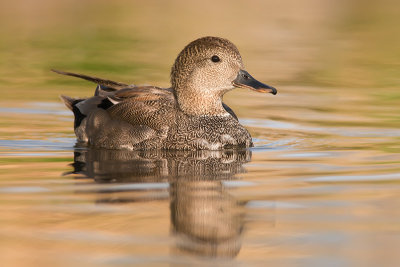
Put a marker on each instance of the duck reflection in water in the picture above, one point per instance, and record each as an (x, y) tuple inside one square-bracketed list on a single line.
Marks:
[(206, 220)]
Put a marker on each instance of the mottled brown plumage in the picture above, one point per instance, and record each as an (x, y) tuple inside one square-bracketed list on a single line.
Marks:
[(188, 116)]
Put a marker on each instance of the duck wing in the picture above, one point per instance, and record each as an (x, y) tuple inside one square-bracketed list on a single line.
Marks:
[(144, 105), (137, 118), (132, 118), (121, 115), (110, 85)]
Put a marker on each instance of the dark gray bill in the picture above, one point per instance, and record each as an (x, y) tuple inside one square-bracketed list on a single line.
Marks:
[(245, 80)]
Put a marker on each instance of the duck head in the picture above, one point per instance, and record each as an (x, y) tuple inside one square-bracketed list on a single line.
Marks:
[(205, 70)]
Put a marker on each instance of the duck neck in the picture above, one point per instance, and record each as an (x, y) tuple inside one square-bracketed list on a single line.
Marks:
[(200, 102)]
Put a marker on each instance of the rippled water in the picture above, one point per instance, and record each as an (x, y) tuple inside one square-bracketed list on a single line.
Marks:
[(320, 187)]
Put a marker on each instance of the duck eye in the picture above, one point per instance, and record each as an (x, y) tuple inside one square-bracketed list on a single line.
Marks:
[(215, 59)]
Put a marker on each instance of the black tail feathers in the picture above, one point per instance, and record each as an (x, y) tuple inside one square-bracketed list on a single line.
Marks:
[(71, 105)]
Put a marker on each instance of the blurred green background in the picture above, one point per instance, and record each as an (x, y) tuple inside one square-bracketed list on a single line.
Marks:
[(347, 44)]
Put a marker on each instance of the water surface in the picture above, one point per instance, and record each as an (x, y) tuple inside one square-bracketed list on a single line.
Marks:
[(320, 187)]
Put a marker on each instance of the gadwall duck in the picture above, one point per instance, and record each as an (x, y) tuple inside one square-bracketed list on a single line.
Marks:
[(190, 115)]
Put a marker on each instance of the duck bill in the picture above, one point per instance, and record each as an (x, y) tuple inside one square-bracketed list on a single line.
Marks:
[(245, 80)]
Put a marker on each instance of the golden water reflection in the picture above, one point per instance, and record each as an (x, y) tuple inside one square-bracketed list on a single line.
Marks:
[(205, 218)]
